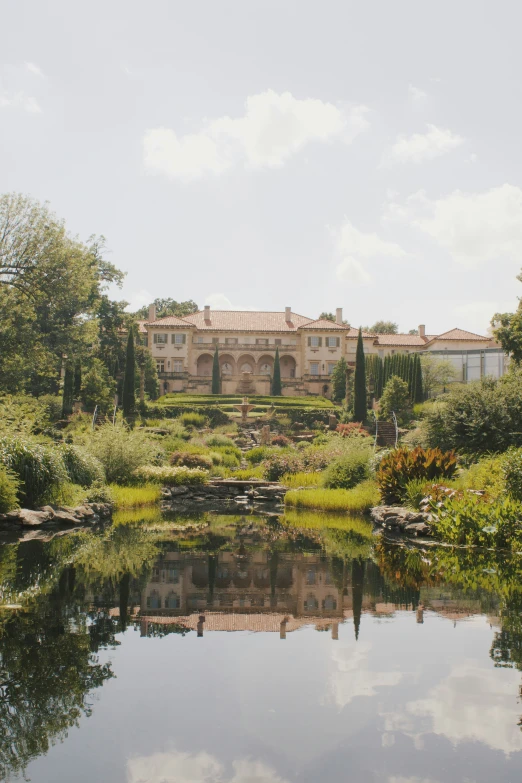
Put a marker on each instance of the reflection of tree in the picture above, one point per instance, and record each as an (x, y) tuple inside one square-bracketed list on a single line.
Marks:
[(357, 593), (48, 670), (506, 649)]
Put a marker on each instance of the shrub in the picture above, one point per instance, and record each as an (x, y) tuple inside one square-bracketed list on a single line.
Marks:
[(351, 428), (281, 440), (296, 480), (258, 454), (82, 468), (99, 493), (415, 492), (308, 461), (477, 520), (191, 460), (400, 466), (39, 468), (487, 474), (9, 486), (347, 471), (356, 500), (219, 440), (512, 473), (121, 450), (193, 419), (395, 398), (245, 475), (171, 476)]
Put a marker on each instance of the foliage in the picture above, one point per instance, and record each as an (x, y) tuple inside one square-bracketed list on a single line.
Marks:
[(193, 419), (246, 474), (395, 398), (258, 454), (307, 461), (479, 521), (339, 380), (401, 465), (24, 415), (277, 388), (171, 476), (121, 450), (129, 380), (135, 497), (68, 390), (297, 480), (216, 373), (165, 307), (97, 387), (98, 493), (191, 460), (382, 327), (40, 469), (82, 468), (357, 500), (359, 389), (512, 473), (347, 471), (281, 440), (351, 428), (415, 492), (213, 414), (216, 439), (480, 417), (9, 486), (485, 475), (437, 373)]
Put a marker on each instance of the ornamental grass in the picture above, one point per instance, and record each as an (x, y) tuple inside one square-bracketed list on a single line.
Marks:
[(135, 497), (357, 500)]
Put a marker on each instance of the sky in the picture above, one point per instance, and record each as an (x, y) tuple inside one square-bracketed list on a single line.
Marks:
[(273, 153)]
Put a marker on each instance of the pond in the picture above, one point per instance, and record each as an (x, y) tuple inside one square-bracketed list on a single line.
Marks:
[(248, 650)]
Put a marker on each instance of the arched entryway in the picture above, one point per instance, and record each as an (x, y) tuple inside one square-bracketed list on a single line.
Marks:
[(265, 365), (204, 364), (288, 367), (227, 364), (246, 363)]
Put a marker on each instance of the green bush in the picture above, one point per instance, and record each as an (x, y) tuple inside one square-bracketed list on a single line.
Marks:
[(191, 460), (282, 462), (82, 468), (258, 454), (121, 450), (193, 419), (9, 485), (40, 469), (487, 474), (479, 521), (347, 471), (219, 440), (401, 465), (214, 415), (171, 476), (99, 493), (395, 398), (415, 492), (512, 473)]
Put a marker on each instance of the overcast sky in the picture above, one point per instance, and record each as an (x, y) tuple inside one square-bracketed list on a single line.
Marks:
[(266, 153)]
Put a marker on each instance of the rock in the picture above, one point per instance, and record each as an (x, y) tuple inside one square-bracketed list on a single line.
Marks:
[(403, 519), (181, 490), (30, 518), (64, 517), (84, 511)]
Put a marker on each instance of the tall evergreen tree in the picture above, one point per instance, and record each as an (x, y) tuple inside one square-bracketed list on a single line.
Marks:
[(418, 393), (379, 378), (277, 388), (77, 379), (68, 386), (129, 380), (216, 377), (358, 568), (339, 380), (386, 371), (359, 395)]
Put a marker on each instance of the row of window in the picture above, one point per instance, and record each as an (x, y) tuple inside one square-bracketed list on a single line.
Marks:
[(330, 342), (176, 339), (161, 338), (177, 366)]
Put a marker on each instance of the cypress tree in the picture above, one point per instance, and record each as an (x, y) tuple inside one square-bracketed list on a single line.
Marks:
[(380, 378), (68, 385), (339, 380), (418, 394), (216, 378), (277, 389), (359, 396), (411, 370), (77, 379), (129, 379)]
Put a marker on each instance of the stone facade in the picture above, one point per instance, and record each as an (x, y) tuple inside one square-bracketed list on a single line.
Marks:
[(308, 349)]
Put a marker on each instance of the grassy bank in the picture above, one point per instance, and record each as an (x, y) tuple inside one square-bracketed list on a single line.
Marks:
[(357, 500), (135, 497)]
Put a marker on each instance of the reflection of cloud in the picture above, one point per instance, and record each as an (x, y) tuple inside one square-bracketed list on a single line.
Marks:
[(474, 704), (177, 767), (354, 678)]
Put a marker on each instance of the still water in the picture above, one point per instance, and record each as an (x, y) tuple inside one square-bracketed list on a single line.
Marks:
[(234, 650)]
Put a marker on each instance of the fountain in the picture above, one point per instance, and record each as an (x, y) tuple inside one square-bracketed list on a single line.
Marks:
[(244, 409)]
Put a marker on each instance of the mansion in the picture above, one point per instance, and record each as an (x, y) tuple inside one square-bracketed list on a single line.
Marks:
[(308, 348)]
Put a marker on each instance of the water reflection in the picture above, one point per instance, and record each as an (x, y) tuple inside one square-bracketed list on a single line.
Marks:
[(399, 663)]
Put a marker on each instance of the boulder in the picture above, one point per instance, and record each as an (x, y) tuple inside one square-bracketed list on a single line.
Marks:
[(30, 518)]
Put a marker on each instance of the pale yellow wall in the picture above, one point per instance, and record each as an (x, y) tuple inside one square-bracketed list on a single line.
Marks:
[(322, 354)]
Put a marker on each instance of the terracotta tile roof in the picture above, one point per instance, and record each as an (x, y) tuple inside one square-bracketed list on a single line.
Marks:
[(141, 327), (460, 334), (169, 320), (353, 332), (247, 321), (324, 323)]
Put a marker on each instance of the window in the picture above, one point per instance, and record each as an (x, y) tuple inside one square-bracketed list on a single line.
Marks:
[(231, 340), (310, 577), (178, 365), (160, 339), (261, 341), (179, 339), (331, 367), (160, 365), (172, 601), (199, 340), (329, 602), (315, 342), (172, 574), (278, 341), (153, 600), (215, 340), (314, 368), (333, 342), (311, 603)]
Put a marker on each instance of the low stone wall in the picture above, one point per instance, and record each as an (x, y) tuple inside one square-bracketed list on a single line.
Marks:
[(396, 519), (56, 516), (262, 496)]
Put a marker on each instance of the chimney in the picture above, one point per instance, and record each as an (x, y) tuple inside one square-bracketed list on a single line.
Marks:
[(422, 330), (152, 312), (288, 314), (207, 312), (339, 316)]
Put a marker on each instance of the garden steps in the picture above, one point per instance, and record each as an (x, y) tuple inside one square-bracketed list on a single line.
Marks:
[(386, 433)]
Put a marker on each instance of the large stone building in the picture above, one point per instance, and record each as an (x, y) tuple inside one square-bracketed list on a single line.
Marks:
[(309, 350)]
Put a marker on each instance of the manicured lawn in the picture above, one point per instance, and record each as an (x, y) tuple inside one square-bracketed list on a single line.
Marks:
[(228, 401)]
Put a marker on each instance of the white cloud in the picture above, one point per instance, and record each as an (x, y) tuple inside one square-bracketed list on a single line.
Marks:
[(139, 299), (354, 247), (19, 100), (353, 676), (219, 301), (422, 146), (34, 69), (177, 767), (418, 96), (472, 227), (474, 704), (273, 127)]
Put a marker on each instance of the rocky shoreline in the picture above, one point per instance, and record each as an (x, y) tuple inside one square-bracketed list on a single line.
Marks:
[(53, 516), (396, 519), (260, 496)]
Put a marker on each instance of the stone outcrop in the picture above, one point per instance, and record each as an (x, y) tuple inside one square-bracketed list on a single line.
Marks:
[(56, 516), (262, 496), (402, 520)]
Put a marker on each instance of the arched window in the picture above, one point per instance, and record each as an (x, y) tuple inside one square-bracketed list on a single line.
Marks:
[(329, 602), (311, 603), (172, 601), (154, 600)]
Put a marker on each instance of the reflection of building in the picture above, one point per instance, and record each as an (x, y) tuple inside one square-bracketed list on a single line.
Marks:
[(309, 350)]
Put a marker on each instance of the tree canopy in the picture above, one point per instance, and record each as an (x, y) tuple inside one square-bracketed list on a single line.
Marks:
[(168, 306)]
